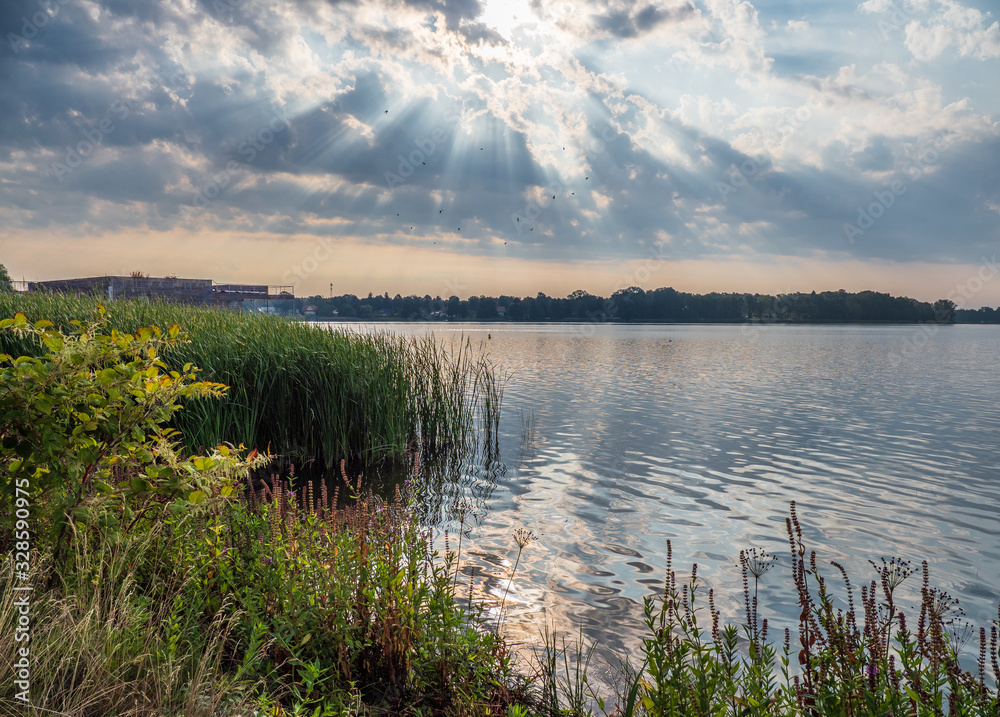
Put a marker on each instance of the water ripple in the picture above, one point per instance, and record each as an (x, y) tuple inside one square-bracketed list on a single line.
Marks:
[(703, 435)]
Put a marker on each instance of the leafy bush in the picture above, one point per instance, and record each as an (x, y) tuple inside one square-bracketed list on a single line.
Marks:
[(83, 441)]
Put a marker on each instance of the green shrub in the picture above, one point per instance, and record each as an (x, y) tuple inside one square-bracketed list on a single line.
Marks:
[(82, 439)]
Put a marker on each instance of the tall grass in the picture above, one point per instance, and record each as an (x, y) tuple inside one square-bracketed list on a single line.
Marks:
[(312, 395), (101, 646)]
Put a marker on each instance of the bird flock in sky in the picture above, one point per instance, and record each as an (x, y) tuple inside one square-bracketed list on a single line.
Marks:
[(518, 219)]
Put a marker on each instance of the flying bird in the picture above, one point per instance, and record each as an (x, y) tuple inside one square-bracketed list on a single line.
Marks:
[(553, 196), (585, 178), (440, 210), (387, 111)]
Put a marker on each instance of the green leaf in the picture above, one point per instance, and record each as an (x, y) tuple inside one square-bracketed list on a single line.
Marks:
[(198, 496), (53, 344), (43, 324), (158, 471)]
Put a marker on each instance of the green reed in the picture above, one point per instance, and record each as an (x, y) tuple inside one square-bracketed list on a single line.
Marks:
[(310, 394)]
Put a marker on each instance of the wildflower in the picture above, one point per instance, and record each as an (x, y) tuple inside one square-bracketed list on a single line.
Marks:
[(523, 537)]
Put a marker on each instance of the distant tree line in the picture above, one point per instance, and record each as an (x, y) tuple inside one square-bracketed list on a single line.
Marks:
[(638, 305), (984, 315)]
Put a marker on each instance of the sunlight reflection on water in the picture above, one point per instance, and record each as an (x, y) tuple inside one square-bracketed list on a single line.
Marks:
[(703, 435)]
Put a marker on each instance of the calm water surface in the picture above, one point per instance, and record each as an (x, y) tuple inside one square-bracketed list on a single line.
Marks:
[(617, 438)]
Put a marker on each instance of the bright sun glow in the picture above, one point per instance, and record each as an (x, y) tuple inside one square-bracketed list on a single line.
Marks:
[(505, 15)]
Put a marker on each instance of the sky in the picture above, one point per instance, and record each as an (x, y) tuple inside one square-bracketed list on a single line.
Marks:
[(466, 147)]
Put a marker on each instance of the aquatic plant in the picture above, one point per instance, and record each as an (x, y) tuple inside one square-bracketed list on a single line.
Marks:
[(312, 395)]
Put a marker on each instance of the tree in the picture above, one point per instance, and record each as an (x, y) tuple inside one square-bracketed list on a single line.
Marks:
[(944, 311), (5, 282)]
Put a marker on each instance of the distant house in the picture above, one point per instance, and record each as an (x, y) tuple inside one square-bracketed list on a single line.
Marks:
[(501, 311), (309, 309)]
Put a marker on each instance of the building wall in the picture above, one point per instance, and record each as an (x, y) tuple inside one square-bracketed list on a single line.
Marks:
[(187, 291)]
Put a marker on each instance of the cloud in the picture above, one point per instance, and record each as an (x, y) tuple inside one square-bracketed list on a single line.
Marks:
[(279, 113), (933, 26), (627, 20)]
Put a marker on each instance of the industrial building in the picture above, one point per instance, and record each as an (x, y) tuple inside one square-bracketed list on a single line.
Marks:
[(169, 288)]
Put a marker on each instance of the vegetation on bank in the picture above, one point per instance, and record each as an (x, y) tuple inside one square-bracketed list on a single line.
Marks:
[(637, 305), (312, 396), (160, 587)]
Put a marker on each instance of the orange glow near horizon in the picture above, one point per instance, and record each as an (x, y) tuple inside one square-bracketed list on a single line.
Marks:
[(356, 266)]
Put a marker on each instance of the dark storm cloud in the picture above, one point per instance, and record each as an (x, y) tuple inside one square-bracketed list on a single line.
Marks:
[(631, 21), (454, 11)]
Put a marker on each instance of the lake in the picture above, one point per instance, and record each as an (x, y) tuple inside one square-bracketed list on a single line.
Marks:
[(616, 438)]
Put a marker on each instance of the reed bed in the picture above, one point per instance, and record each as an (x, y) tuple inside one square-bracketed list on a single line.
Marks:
[(312, 395)]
